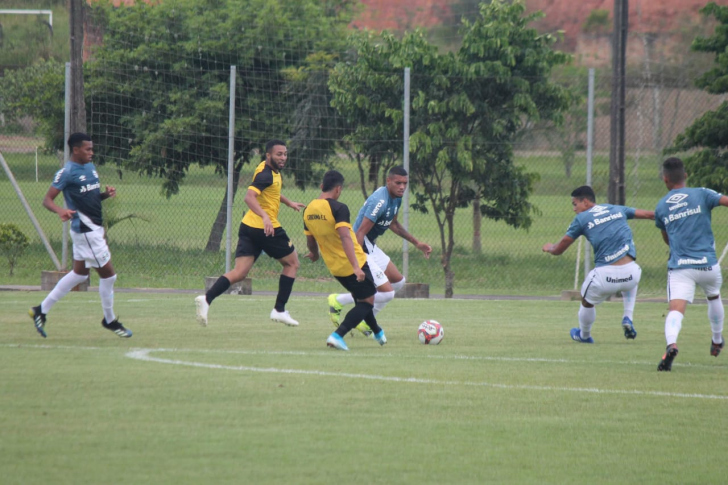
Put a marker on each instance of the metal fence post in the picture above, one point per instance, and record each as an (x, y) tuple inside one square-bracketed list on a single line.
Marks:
[(589, 156), (231, 162), (405, 162), (66, 155)]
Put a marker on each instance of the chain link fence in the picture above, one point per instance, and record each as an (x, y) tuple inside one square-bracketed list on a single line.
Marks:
[(166, 225)]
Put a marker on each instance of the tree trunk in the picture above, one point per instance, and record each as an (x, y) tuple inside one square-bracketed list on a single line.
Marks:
[(218, 227), (78, 103), (375, 160), (477, 220)]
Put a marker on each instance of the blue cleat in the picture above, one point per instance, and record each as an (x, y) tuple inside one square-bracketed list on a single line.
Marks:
[(335, 341), (380, 337), (117, 328), (39, 320), (576, 335), (629, 331)]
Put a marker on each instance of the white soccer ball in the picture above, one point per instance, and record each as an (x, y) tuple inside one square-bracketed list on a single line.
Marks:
[(430, 332)]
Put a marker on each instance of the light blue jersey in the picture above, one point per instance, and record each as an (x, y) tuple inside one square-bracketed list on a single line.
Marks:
[(82, 192), (380, 208), (606, 228), (685, 215)]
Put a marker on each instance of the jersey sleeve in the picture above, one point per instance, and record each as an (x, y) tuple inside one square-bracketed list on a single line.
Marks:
[(60, 179), (629, 212), (262, 180), (712, 198), (575, 230), (658, 219), (341, 214), (372, 206)]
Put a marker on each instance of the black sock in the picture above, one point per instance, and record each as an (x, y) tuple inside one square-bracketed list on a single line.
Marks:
[(221, 286), (371, 320), (354, 317), (285, 285)]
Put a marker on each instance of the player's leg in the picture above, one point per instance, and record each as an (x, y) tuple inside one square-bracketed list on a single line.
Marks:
[(680, 292), (591, 295), (363, 292), (78, 275), (393, 275), (632, 273), (107, 279), (711, 283), (290, 265)]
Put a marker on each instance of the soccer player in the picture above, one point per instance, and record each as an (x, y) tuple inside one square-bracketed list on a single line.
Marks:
[(260, 231), (81, 189), (378, 214), (683, 216), (328, 230), (605, 227)]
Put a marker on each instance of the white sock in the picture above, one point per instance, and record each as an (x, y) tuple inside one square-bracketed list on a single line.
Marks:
[(106, 291), (586, 320), (381, 299), (628, 300), (673, 324), (716, 314), (398, 285), (345, 298), (66, 284)]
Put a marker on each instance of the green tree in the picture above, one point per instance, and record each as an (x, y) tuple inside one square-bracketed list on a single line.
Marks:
[(708, 135), (157, 88), (467, 108), (12, 244)]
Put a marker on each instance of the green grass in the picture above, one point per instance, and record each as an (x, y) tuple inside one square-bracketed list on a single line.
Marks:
[(506, 398), (167, 251)]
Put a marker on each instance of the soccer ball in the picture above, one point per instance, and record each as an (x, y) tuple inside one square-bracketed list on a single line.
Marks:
[(430, 332)]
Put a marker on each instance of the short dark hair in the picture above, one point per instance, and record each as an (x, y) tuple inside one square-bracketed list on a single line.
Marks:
[(584, 192), (269, 146), (77, 139), (674, 170), (398, 170), (332, 179)]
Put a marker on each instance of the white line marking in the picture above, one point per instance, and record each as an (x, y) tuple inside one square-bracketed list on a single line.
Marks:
[(143, 354)]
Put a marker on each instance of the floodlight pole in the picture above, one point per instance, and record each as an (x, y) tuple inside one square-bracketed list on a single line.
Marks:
[(617, 111), (405, 162), (231, 162)]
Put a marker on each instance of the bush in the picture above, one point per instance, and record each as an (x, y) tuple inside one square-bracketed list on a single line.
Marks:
[(12, 243)]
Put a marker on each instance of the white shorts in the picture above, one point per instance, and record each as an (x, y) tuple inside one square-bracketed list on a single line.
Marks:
[(378, 261), (91, 248), (681, 282), (605, 281)]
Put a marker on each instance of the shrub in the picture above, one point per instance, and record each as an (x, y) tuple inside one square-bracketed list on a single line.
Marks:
[(12, 243)]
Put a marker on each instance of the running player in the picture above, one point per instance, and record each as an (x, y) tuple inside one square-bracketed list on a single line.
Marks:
[(260, 231), (328, 229), (79, 182), (378, 214), (683, 216), (605, 227)]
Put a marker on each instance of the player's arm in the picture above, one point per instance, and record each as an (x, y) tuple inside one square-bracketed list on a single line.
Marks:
[(558, 249), (348, 246), (110, 192), (296, 206), (723, 200), (399, 230), (251, 198), (50, 204), (643, 214), (364, 228), (665, 237), (313, 250)]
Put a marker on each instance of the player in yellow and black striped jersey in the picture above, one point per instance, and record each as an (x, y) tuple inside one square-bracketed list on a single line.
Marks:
[(326, 223), (260, 231)]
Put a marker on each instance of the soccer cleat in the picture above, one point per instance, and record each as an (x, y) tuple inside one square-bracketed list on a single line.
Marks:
[(336, 342), (666, 362), (576, 335), (380, 337), (629, 331), (334, 309), (39, 319), (364, 329), (283, 317), (202, 309), (117, 328), (716, 348)]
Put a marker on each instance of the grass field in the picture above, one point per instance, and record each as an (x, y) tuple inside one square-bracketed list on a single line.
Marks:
[(167, 251), (506, 398)]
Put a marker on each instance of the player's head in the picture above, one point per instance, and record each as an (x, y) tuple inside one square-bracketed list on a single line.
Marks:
[(583, 198), (276, 154), (673, 171), (397, 181), (82, 147), (333, 183)]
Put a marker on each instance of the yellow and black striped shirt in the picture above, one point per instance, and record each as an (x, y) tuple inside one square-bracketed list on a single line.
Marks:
[(267, 183), (321, 219)]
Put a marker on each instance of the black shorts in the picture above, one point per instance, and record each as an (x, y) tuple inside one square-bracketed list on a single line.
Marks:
[(360, 290), (252, 241)]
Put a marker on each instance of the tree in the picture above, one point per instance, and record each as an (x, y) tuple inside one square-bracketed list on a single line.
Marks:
[(157, 91), (467, 109), (12, 244), (708, 135)]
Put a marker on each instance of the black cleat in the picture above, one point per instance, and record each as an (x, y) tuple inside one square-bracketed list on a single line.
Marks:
[(666, 362), (117, 328), (39, 319), (716, 348)]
